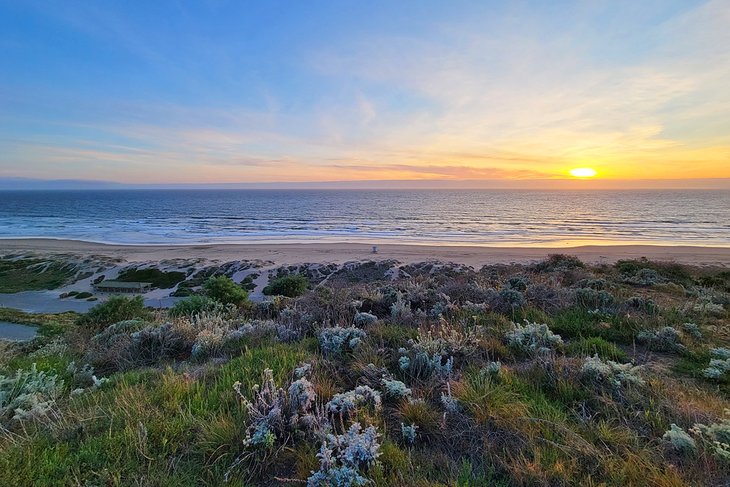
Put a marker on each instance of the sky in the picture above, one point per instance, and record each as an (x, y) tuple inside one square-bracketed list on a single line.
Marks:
[(258, 92)]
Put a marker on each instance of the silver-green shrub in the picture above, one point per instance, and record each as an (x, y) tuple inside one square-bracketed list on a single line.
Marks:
[(348, 402), (29, 394), (665, 339), (395, 389), (344, 458), (533, 338), (615, 374), (338, 339)]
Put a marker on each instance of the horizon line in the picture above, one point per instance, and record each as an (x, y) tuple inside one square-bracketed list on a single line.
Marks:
[(21, 184)]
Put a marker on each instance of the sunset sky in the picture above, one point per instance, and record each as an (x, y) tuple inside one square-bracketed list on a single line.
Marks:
[(216, 92)]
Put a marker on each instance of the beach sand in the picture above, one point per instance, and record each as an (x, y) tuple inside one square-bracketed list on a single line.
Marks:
[(338, 253)]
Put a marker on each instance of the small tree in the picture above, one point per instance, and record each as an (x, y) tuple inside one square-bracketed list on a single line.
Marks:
[(289, 286), (224, 290)]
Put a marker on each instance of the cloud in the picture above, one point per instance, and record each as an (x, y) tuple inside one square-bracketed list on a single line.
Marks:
[(509, 94)]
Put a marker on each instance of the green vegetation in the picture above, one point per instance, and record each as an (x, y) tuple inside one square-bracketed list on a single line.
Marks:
[(194, 305), (158, 278), (433, 379), (22, 274), (224, 290), (290, 286), (113, 310)]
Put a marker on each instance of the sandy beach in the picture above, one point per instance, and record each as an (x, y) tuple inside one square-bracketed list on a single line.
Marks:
[(338, 253)]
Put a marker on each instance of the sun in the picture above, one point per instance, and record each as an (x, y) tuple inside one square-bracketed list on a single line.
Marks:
[(583, 172)]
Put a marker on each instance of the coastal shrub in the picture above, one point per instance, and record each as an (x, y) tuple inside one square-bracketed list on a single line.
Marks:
[(707, 307), (409, 432), (714, 438), (665, 339), (346, 403), (518, 283), (154, 343), (612, 373), (274, 416), (224, 290), (191, 306), (363, 320), (692, 330), (113, 310), (680, 439), (719, 366), (644, 277), (400, 310), (547, 298), (107, 351), (589, 298), (395, 389), (668, 271), (292, 285), (29, 394), (20, 274), (597, 284), (507, 300), (156, 277), (84, 377), (641, 304), (532, 338), (431, 354), (344, 459), (558, 262), (337, 339), (419, 364)]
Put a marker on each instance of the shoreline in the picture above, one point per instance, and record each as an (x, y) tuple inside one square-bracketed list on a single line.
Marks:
[(340, 252)]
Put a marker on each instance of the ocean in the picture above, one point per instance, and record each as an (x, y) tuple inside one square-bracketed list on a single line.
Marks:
[(445, 217)]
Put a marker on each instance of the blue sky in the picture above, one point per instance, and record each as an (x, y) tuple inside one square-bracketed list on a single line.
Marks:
[(204, 92)]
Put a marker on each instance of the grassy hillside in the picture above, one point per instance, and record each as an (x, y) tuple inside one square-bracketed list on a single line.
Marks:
[(548, 374)]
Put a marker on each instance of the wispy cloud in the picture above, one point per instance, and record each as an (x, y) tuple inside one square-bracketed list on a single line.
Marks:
[(513, 95)]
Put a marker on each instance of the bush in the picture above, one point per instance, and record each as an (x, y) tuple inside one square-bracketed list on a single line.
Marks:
[(395, 389), (665, 339), (408, 433), (347, 403), (362, 320), (338, 339), (113, 310), (615, 374), (714, 438), (588, 298), (274, 415), (29, 394), (642, 304), (194, 305), (343, 458), (225, 291), (719, 366), (154, 343), (558, 262), (533, 338), (645, 277), (680, 440), (508, 300), (290, 286), (518, 283), (158, 278)]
